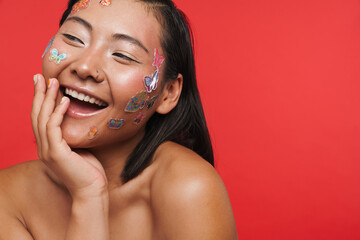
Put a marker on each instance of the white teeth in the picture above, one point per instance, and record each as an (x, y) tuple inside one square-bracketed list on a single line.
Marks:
[(83, 97), (74, 94)]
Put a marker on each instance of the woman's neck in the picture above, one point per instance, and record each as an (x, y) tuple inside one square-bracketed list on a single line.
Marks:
[(113, 158)]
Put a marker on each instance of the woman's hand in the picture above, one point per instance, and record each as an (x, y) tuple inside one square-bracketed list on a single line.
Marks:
[(80, 171)]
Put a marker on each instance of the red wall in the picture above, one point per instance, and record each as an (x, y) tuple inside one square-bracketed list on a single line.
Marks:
[(280, 83)]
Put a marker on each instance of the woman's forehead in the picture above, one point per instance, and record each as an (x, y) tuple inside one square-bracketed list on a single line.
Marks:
[(128, 17)]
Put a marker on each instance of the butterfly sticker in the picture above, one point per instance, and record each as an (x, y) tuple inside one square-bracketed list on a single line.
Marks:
[(105, 3), (137, 102), (80, 4), (116, 123), (93, 132), (48, 46), (139, 118), (151, 101), (151, 81), (55, 57), (158, 60)]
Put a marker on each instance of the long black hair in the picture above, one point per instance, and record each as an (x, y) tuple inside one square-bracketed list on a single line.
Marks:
[(185, 124)]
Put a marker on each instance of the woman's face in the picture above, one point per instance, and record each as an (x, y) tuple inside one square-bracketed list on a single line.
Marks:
[(109, 51)]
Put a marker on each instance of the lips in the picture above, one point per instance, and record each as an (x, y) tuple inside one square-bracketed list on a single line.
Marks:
[(83, 105)]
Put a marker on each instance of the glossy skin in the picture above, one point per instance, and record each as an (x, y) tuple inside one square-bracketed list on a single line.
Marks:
[(73, 194)]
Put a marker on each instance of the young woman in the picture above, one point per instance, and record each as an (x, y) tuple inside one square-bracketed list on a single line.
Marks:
[(122, 140)]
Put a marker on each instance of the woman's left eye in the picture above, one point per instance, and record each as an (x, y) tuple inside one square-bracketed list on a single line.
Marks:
[(124, 57)]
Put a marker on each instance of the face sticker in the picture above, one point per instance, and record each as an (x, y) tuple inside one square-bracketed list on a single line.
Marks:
[(137, 102), (150, 102), (139, 118), (93, 132), (152, 80), (80, 4), (116, 123), (55, 57), (158, 60), (105, 3), (48, 46)]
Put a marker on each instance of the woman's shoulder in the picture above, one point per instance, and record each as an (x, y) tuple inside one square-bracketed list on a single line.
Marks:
[(179, 165), (17, 185), (173, 155), (187, 191), (22, 179), (20, 174)]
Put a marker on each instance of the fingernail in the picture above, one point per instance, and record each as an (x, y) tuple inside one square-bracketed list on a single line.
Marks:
[(49, 82), (35, 79), (62, 100)]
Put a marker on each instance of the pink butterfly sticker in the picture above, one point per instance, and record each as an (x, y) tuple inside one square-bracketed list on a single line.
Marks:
[(139, 118), (158, 60)]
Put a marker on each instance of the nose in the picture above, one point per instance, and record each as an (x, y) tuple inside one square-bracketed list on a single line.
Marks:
[(88, 65)]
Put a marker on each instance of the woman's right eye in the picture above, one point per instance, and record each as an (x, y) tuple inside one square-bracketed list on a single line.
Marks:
[(73, 38)]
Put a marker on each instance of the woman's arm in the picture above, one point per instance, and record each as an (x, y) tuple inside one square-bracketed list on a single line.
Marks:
[(11, 225), (80, 172), (89, 219)]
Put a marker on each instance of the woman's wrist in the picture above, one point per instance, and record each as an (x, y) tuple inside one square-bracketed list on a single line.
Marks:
[(94, 192), (94, 204), (89, 218), (83, 199)]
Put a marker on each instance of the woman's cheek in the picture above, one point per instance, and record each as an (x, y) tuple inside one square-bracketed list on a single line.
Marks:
[(55, 58), (135, 105)]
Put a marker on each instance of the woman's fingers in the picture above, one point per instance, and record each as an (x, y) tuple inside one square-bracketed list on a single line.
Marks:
[(53, 149), (46, 110), (39, 95), (66, 163), (53, 129)]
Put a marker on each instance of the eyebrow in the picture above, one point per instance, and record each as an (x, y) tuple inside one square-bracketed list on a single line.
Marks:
[(116, 36), (81, 21)]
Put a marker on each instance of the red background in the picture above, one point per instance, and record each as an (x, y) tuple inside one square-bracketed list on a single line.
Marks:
[(280, 86)]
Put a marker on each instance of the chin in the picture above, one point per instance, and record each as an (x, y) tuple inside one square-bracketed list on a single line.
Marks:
[(75, 140), (75, 135)]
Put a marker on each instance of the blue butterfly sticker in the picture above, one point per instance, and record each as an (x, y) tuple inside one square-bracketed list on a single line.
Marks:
[(55, 57), (151, 81)]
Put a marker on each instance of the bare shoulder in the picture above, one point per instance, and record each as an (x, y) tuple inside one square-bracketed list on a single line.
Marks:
[(189, 198), (16, 177), (14, 187)]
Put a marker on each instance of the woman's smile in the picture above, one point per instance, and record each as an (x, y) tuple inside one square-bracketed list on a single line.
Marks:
[(83, 103)]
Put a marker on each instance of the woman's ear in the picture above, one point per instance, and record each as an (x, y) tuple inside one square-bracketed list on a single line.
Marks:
[(170, 95)]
